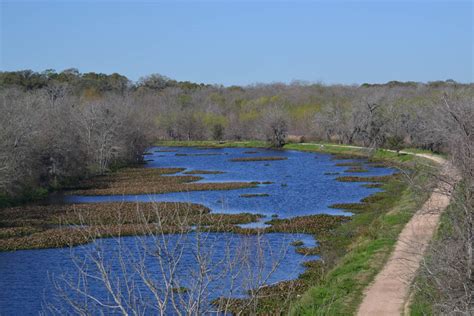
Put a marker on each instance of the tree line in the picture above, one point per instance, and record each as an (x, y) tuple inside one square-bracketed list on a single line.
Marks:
[(60, 125), (57, 127)]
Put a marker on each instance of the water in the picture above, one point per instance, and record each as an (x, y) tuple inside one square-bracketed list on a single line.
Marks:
[(300, 187), (27, 275)]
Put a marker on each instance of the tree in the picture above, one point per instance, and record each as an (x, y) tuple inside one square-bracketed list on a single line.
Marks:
[(217, 131), (276, 127)]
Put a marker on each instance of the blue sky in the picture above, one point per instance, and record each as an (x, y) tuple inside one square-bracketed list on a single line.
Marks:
[(243, 42)]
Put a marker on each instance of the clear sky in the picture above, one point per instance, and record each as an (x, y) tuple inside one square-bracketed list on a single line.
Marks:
[(244, 42)]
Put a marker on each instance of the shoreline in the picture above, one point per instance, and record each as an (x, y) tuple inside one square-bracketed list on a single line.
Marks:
[(311, 275)]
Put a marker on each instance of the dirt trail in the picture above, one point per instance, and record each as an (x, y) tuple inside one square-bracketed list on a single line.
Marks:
[(389, 291), (388, 294)]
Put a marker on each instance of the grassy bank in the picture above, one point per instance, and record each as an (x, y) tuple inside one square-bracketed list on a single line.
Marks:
[(356, 250), (379, 155), (353, 250)]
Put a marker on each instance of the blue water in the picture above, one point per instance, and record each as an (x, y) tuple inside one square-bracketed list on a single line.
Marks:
[(300, 187), (27, 276)]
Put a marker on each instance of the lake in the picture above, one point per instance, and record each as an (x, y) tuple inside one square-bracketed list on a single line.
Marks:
[(303, 184)]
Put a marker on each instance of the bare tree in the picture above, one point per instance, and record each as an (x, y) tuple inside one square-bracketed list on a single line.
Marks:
[(173, 269)]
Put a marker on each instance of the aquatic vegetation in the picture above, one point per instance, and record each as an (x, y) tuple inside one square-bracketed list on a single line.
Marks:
[(180, 289), (356, 170), (297, 243), (377, 165), (311, 224), (365, 179), (150, 181), (203, 172), (372, 198), (251, 195), (250, 152), (349, 164), (349, 206), (308, 251), (49, 226), (247, 159), (331, 173)]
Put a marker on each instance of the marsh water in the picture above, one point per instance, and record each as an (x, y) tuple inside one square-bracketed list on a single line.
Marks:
[(302, 184)]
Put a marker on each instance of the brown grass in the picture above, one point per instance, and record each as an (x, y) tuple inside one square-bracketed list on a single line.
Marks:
[(50, 226), (150, 181)]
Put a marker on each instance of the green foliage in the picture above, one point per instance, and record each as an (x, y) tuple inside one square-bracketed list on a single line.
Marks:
[(394, 143), (377, 227), (218, 131)]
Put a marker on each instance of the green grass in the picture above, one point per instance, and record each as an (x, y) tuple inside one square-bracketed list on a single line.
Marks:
[(359, 249), (28, 195), (356, 250), (321, 147)]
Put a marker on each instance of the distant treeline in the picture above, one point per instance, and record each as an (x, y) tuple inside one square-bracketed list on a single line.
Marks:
[(56, 126)]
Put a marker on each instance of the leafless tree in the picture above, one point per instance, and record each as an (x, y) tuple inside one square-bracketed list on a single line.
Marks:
[(172, 269)]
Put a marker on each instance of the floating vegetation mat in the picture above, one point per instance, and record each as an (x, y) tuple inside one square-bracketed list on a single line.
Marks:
[(60, 225), (356, 170), (151, 181), (349, 164), (251, 195), (246, 159), (203, 172), (364, 179)]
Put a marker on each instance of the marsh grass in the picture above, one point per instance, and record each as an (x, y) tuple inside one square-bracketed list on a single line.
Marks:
[(355, 249), (252, 195), (150, 181), (354, 252), (51, 226), (365, 179)]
